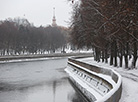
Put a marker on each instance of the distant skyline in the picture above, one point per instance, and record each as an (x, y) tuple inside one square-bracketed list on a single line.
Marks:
[(38, 12)]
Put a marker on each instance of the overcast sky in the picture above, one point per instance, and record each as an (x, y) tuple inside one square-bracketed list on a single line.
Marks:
[(38, 12)]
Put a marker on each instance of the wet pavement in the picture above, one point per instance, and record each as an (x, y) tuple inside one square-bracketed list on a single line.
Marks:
[(36, 81)]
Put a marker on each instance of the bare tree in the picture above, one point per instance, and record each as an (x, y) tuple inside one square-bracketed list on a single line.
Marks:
[(110, 27)]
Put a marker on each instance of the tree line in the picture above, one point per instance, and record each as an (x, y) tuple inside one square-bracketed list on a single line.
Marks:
[(19, 36), (110, 27)]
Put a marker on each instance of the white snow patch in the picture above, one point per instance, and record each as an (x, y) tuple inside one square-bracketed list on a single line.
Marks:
[(129, 77), (85, 86), (106, 77)]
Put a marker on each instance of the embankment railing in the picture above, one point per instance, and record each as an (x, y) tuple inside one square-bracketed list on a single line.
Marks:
[(113, 92)]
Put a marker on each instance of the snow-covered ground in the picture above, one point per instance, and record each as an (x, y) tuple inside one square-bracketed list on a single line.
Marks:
[(129, 80)]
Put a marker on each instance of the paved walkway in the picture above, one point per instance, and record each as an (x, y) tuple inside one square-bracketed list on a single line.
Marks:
[(129, 80)]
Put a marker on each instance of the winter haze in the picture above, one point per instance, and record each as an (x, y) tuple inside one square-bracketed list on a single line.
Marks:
[(39, 12)]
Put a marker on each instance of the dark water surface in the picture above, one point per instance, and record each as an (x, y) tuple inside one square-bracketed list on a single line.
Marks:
[(37, 81)]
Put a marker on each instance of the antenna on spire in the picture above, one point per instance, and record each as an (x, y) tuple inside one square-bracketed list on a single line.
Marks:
[(54, 11)]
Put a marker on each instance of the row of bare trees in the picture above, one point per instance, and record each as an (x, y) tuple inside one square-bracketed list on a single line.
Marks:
[(18, 36), (110, 27)]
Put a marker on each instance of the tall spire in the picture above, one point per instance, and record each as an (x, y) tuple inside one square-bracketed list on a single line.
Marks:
[(54, 18)]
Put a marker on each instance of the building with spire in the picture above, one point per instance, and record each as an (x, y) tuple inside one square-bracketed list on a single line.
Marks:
[(54, 19)]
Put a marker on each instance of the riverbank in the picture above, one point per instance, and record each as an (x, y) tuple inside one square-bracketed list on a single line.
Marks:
[(33, 57), (129, 79)]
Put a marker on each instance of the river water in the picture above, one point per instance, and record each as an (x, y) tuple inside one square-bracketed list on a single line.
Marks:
[(36, 81)]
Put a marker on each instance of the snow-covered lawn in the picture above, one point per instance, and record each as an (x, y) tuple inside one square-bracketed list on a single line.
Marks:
[(129, 80)]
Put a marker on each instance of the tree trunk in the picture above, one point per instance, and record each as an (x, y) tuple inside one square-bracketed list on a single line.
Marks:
[(121, 60), (126, 56), (121, 56), (103, 56), (126, 61), (97, 55), (111, 57), (94, 54), (115, 54), (106, 56), (134, 55)]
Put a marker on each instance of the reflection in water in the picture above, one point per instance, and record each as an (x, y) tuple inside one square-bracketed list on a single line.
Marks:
[(71, 96), (77, 98), (36, 82), (54, 91)]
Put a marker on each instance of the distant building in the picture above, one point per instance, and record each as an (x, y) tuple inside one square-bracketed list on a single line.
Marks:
[(54, 19)]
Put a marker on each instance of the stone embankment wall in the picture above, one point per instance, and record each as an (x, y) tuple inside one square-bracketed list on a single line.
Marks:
[(97, 84)]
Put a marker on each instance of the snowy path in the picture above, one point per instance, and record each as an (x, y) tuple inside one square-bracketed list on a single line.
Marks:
[(129, 80), (130, 86), (130, 76), (130, 90)]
